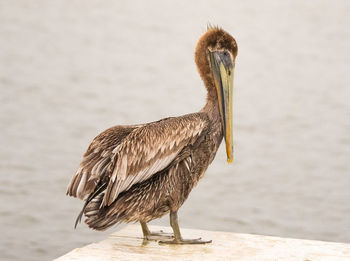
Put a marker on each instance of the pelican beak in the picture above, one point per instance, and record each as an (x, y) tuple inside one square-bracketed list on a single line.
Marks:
[(222, 65)]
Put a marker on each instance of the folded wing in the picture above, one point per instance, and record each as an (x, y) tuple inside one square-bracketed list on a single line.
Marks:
[(96, 162), (150, 149)]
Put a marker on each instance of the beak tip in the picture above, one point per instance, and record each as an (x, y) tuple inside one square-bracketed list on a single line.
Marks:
[(229, 160)]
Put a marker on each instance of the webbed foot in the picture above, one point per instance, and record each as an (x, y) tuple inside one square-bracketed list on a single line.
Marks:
[(185, 241)]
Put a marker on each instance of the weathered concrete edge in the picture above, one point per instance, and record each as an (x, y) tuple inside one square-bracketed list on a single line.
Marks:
[(128, 244)]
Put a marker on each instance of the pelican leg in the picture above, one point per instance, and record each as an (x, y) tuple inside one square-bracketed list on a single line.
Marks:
[(178, 238), (148, 235)]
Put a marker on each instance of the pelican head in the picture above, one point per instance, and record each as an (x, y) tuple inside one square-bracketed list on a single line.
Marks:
[(215, 57)]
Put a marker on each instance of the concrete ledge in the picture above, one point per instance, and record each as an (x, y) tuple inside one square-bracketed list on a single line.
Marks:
[(128, 244)]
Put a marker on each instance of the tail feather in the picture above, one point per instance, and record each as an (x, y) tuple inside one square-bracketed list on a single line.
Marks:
[(95, 213), (93, 201), (96, 217)]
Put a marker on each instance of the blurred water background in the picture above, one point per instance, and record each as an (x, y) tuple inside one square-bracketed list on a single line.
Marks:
[(70, 69)]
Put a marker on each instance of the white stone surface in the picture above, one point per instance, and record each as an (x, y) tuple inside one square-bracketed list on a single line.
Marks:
[(128, 244)]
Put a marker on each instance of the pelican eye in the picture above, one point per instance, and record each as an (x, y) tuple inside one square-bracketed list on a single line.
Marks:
[(226, 59)]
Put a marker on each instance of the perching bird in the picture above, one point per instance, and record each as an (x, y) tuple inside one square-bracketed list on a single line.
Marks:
[(138, 173)]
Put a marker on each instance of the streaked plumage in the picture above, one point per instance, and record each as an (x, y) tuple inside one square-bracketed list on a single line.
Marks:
[(142, 172)]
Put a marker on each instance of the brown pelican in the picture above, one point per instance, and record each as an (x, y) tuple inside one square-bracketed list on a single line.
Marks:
[(138, 173)]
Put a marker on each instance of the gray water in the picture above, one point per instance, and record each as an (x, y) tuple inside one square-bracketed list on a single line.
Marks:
[(70, 69)]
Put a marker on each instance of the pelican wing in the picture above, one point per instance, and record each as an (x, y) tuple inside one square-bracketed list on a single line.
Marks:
[(96, 161), (150, 149)]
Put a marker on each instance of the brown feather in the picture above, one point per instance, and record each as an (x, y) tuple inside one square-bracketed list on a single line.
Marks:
[(140, 173), (150, 149), (99, 152), (214, 38)]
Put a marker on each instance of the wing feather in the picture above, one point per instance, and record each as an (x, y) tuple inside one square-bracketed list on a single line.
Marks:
[(97, 160), (150, 149)]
